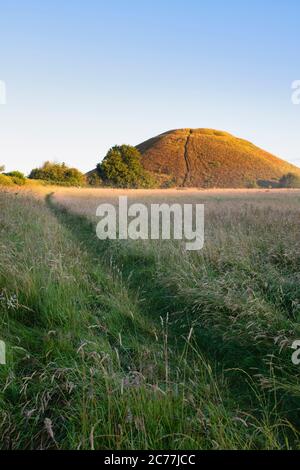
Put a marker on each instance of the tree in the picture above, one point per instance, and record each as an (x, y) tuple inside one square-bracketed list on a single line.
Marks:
[(2, 168), (290, 180), (58, 173), (93, 179), (122, 167)]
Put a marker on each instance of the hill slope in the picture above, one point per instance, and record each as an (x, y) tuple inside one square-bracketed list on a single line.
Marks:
[(210, 158)]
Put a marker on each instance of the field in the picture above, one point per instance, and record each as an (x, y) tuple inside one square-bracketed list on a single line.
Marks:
[(143, 345)]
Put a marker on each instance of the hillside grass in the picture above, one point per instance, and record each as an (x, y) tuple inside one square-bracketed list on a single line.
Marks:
[(209, 158), (142, 345)]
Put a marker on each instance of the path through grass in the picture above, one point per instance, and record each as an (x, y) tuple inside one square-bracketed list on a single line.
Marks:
[(129, 346)]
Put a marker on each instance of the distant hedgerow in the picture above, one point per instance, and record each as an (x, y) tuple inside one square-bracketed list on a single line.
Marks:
[(290, 180), (13, 177), (5, 180), (17, 177), (58, 173)]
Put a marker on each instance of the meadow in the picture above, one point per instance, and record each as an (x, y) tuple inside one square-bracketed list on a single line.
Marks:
[(143, 345)]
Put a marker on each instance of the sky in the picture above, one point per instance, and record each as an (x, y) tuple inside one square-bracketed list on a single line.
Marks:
[(82, 76)]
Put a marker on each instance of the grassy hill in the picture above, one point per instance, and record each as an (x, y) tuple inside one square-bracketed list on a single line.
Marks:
[(210, 158)]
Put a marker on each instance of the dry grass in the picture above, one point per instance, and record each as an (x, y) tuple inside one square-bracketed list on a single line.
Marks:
[(85, 201), (208, 158)]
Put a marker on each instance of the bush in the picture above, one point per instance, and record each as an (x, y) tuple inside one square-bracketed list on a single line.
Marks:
[(13, 177), (58, 173), (252, 184), (17, 177), (168, 184), (93, 179), (122, 167), (290, 180), (5, 180)]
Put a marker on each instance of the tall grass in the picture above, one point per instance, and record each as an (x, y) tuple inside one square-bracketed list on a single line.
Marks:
[(143, 346)]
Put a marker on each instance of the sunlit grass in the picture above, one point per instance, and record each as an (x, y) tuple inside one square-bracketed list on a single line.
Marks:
[(142, 345)]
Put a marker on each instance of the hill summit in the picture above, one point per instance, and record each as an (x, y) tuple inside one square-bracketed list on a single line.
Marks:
[(210, 158)]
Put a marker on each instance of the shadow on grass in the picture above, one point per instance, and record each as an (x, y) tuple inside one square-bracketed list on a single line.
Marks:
[(138, 271)]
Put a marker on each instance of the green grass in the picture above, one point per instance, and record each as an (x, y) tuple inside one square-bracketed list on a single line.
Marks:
[(144, 346)]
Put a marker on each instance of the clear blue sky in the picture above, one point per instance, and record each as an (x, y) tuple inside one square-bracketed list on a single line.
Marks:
[(82, 76)]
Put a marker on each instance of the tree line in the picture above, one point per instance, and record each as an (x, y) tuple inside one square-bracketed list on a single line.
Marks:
[(121, 167)]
